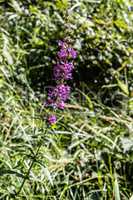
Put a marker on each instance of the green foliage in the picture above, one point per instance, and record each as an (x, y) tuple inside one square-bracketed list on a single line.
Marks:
[(101, 32)]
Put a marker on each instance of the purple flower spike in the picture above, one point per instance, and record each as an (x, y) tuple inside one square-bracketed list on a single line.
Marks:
[(62, 71), (52, 119)]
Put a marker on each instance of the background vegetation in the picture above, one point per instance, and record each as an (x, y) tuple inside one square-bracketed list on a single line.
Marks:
[(88, 155)]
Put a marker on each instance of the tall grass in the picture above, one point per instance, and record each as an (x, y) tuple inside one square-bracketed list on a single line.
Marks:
[(85, 157)]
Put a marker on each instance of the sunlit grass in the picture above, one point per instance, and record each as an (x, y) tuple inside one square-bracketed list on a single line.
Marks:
[(83, 157)]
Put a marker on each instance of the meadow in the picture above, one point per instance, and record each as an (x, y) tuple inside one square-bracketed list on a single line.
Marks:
[(84, 152)]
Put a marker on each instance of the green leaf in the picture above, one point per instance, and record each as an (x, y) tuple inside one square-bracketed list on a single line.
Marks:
[(7, 56), (130, 105), (1, 82), (48, 175), (6, 52), (33, 9), (116, 189), (88, 99), (16, 6), (119, 1), (121, 24), (62, 4), (123, 87)]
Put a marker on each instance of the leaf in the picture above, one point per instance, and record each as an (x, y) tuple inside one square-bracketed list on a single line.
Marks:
[(16, 6), (119, 1), (130, 105), (1, 82), (121, 24), (10, 172), (62, 4), (6, 52), (123, 87), (8, 56), (54, 126), (33, 9), (99, 21), (131, 198), (47, 174), (116, 189)]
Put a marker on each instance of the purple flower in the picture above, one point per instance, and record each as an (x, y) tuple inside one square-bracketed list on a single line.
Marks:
[(63, 92), (72, 53), (62, 54), (66, 51), (52, 119), (63, 71), (61, 105), (59, 93), (68, 67)]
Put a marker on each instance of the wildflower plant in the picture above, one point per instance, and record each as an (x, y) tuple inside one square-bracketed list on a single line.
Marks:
[(62, 71)]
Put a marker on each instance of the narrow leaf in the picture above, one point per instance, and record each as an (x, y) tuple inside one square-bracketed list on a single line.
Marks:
[(123, 87), (116, 190)]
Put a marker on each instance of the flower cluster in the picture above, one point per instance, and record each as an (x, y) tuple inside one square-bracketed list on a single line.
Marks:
[(59, 93), (64, 66), (52, 119), (62, 71)]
